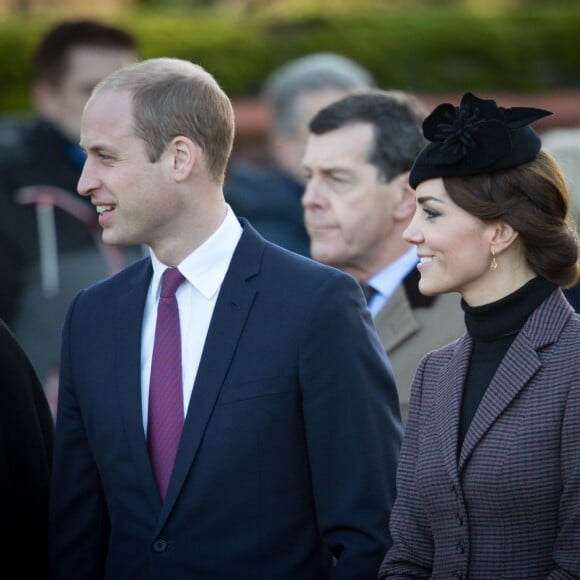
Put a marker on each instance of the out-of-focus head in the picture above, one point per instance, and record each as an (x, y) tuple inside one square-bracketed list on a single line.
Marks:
[(487, 162), (564, 144), (357, 199), (173, 97), (298, 90), (67, 64)]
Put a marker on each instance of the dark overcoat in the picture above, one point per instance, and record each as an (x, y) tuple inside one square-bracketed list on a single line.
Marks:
[(26, 437)]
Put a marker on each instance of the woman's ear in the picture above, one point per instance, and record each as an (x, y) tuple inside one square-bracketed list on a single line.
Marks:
[(502, 236), (183, 156)]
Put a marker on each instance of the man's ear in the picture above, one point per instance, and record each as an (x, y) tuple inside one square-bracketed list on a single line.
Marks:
[(183, 155), (406, 205)]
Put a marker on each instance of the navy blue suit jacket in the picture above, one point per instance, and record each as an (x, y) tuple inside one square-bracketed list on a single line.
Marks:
[(287, 460)]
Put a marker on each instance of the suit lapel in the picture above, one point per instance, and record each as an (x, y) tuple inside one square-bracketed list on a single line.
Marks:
[(231, 311), (129, 321)]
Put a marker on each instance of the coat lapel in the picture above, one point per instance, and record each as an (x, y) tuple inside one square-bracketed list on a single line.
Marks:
[(448, 404), (231, 311), (516, 370), (395, 322)]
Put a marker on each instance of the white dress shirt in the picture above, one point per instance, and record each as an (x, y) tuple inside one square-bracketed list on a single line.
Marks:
[(204, 271), (388, 279)]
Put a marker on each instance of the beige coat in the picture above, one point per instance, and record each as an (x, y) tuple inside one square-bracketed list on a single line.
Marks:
[(409, 331)]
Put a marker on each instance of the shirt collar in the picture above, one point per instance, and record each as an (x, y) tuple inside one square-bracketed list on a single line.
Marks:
[(206, 267), (387, 280)]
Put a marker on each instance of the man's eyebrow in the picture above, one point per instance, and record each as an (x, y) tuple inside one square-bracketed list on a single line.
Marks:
[(96, 148)]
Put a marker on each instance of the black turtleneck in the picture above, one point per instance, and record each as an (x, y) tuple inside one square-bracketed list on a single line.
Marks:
[(493, 328)]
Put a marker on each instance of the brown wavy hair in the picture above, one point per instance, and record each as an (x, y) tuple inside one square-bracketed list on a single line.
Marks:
[(533, 198)]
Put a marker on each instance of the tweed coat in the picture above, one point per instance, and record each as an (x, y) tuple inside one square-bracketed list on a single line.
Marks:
[(507, 505)]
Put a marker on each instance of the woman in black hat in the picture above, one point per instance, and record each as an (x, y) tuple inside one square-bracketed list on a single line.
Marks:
[(488, 481)]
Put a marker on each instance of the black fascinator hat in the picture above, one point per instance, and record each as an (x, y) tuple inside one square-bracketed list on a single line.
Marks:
[(476, 137)]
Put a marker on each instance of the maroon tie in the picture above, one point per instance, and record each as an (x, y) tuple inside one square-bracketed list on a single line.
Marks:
[(165, 418)]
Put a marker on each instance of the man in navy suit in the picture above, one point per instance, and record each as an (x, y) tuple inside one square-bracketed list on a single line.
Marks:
[(285, 465)]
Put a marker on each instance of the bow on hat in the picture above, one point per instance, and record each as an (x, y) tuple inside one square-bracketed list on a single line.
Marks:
[(476, 137)]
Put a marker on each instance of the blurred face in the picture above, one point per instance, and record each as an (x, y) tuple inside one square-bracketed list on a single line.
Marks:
[(348, 208), (289, 149), (133, 196), (87, 66), (453, 246)]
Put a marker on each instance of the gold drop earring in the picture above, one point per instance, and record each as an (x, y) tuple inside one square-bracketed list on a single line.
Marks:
[(493, 265)]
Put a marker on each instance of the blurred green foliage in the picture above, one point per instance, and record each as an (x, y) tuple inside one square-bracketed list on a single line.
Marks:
[(423, 50)]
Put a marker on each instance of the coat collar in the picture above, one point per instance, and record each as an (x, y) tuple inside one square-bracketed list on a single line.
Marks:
[(396, 321), (515, 371)]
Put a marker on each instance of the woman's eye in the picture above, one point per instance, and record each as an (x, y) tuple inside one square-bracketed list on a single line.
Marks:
[(431, 213)]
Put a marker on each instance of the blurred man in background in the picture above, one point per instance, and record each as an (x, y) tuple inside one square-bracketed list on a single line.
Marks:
[(270, 196), (49, 242), (356, 205)]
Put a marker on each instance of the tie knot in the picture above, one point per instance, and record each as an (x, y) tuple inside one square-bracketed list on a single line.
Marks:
[(170, 281)]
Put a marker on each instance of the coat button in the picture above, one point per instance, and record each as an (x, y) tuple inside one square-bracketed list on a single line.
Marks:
[(459, 519), (159, 545), (459, 574), (461, 547)]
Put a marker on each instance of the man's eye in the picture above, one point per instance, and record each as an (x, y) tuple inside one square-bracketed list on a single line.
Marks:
[(338, 179)]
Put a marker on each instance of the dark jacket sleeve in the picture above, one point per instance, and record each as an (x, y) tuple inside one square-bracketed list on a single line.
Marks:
[(26, 438)]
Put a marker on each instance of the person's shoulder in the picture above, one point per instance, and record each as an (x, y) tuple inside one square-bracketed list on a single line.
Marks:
[(304, 275), (15, 133), (12, 354), (281, 262), (441, 355), (138, 271), (572, 327), (289, 259)]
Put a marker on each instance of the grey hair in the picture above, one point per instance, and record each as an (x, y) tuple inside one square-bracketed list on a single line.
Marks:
[(310, 73)]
